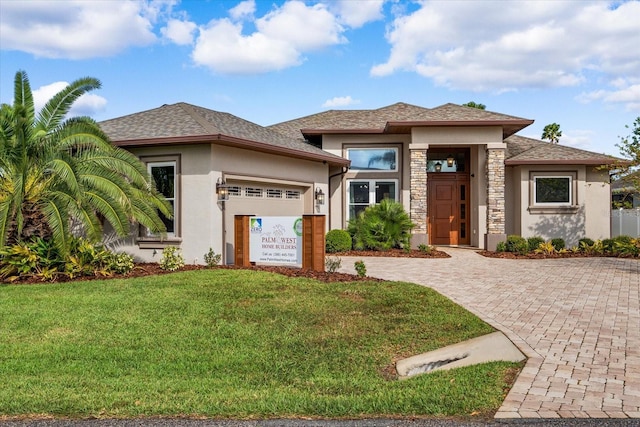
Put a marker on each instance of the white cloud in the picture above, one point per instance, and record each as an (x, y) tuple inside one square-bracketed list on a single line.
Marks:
[(179, 32), (245, 9), (340, 101), (282, 37), (628, 96), (357, 13), (87, 105), (499, 46), (77, 29)]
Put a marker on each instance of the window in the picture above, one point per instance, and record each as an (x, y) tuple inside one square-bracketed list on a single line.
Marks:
[(363, 193), (552, 192), (373, 159), (555, 190), (165, 178)]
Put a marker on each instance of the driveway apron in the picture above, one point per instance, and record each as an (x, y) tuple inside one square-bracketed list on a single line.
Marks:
[(576, 319)]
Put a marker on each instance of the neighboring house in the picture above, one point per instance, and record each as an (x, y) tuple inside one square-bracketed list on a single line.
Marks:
[(461, 173), (624, 191)]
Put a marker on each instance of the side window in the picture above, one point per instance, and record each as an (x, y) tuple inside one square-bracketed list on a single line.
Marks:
[(164, 176)]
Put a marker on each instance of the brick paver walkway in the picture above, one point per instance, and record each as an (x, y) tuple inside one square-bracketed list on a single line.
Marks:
[(577, 320)]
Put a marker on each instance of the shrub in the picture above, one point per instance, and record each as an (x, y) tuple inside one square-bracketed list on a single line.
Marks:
[(41, 259), (338, 241), (425, 248), (609, 246), (171, 259), (585, 242), (501, 247), (534, 242), (361, 269), (332, 264), (596, 248), (119, 262), (631, 248), (623, 239), (381, 227), (546, 248), (558, 243), (211, 258), (517, 244)]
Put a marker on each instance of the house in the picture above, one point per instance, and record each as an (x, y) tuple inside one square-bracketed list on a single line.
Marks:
[(463, 174), (624, 191)]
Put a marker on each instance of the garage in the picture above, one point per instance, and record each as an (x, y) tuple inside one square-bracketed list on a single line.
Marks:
[(260, 198)]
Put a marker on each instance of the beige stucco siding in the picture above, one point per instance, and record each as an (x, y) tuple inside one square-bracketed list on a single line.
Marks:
[(201, 222), (335, 144), (447, 135), (590, 219), (597, 200)]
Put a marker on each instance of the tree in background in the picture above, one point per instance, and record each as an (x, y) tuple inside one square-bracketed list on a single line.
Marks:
[(55, 171), (629, 146), (552, 132), (474, 105)]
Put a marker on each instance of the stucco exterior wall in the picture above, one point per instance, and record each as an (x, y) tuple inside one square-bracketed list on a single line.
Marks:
[(591, 219), (201, 216), (335, 144)]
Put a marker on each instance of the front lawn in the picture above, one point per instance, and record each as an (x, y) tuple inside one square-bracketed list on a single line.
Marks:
[(237, 344)]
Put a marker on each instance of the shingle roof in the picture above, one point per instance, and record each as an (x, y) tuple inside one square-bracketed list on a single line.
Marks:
[(396, 118), (186, 123), (522, 150)]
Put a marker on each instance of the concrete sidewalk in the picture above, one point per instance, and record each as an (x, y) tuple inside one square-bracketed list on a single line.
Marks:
[(576, 319)]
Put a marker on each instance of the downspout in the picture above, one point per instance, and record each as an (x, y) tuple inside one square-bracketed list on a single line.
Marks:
[(345, 169)]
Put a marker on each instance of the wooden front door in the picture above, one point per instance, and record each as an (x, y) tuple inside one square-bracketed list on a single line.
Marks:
[(448, 209)]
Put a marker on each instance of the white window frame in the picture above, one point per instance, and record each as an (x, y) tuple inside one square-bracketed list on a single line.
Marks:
[(535, 190), (372, 191), (536, 207), (174, 199), (386, 148)]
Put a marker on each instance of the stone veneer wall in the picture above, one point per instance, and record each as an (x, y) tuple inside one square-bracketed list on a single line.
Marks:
[(495, 191), (418, 206)]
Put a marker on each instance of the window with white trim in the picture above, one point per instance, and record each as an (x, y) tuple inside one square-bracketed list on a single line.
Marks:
[(362, 193), (383, 159), (165, 177), (552, 192)]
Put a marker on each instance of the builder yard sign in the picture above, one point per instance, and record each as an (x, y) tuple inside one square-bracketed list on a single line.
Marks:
[(276, 240)]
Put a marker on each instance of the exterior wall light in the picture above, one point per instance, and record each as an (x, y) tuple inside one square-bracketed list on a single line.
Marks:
[(222, 190), (438, 167), (319, 195), (450, 160)]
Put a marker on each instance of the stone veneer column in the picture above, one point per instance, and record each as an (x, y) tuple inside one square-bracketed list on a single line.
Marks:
[(418, 189), (495, 175)]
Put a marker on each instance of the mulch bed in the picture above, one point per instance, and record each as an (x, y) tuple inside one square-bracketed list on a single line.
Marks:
[(511, 255), (151, 269)]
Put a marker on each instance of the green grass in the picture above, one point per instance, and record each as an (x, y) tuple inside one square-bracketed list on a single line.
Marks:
[(234, 343)]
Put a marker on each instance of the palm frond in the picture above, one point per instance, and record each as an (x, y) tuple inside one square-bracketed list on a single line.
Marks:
[(57, 107)]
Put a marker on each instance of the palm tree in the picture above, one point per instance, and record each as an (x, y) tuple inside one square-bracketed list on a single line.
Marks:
[(56, 170), (552, 132)]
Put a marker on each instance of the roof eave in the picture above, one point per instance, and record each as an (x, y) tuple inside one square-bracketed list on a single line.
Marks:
[(233, 142), (509, 127), (593, 162)]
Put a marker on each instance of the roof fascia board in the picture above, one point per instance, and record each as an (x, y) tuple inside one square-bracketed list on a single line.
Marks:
[(233, 142)]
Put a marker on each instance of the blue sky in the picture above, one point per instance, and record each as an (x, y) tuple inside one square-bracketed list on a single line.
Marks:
[(576, 63)]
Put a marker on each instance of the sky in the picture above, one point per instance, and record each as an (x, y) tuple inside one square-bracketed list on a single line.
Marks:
[(575, 63)]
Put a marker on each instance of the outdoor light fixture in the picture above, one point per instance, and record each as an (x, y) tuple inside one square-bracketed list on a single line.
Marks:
[(222, 190), (438, 167), (319, 196), (450, 160)]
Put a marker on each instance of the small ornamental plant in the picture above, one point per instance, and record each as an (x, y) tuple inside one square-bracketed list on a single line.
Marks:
[(361, 269), (332, 264), (172, 259), (211, 258)]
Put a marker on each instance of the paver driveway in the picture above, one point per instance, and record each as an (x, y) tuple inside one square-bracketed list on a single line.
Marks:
[(577, 319)]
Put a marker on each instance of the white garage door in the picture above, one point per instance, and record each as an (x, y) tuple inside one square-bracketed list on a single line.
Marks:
[(261, 199)]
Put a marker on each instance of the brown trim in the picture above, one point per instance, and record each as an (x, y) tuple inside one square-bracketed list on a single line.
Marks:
[(567, 162), (234, 142), (342, 131), (448, 123)]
